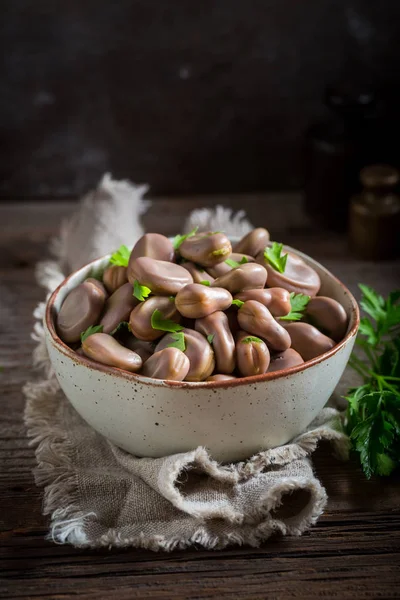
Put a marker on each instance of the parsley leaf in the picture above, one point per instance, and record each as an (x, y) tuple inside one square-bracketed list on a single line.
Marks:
[(251, 338), (385, 313), (158, 322), (238, 303), (221, 252), (120, 326), (298, 303), (96, 274), (367, 329), (210, 338), (90, 331), (179, 239), (234, 264), (275, 258), (205, 282), (374, 434), (179, 341), (120, 257), (141, 292), (373, 414)]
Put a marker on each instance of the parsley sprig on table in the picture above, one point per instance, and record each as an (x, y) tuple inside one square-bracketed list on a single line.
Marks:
[(373, 415)]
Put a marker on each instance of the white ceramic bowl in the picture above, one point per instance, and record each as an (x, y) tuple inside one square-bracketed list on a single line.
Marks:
[(232, 419)]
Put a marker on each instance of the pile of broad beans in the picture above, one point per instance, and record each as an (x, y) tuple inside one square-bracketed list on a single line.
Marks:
[(196, 309)]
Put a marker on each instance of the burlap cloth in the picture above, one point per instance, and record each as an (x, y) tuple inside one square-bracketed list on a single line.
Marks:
[(98, 495)]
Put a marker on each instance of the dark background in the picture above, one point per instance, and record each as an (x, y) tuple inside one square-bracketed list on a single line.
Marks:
[(192, 97)]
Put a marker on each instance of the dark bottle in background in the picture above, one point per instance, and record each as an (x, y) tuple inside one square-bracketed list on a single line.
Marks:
[(336, 149), (374, 222)]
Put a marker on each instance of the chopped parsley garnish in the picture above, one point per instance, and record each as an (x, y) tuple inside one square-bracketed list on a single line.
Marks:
[(298, 303), (251, 338), (90, 331), (221, 252), (274, 256), (179, 239), (179, 341), (141, 292), (158, 322), (121, 257), (234, 264), (120, 326), (238, 303)]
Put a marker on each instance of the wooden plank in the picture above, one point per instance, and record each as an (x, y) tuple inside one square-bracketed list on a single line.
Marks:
[(353, 552)]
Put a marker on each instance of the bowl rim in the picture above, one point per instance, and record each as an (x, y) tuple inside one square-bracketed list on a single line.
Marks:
[(49, 323)]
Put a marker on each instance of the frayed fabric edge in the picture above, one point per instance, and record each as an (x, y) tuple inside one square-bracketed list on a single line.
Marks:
[(68, 527), (53, 451)]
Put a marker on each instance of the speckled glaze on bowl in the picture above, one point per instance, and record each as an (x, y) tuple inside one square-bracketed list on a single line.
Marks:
[(232, 419)]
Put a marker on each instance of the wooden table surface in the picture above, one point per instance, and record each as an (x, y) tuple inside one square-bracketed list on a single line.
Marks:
[(353, 551)]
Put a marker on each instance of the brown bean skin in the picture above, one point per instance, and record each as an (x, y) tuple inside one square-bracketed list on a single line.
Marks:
[(153, 245), (162, 277), (169, 364), (298, 277), (327, 314), (206, 249), (80, 309), (196, 301), (218, 270), (252, 356), (285, 360), (197, 273), (249, 275), (223, 343), (308, 341), (118, 307), (255, 318), (140, 317), (224, 267), (144, 349), (105, 349), (232, 314), (198, 351), (253, 242), (220, 377), (99, 285), (113, 277), (277, 300)]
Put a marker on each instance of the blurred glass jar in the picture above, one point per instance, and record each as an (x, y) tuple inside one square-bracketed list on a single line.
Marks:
[(374, 223), (335, 151)]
